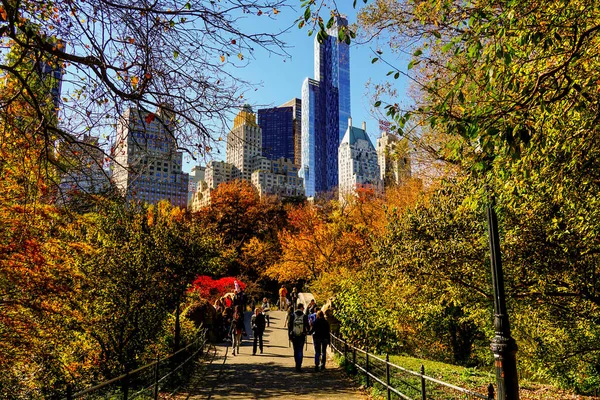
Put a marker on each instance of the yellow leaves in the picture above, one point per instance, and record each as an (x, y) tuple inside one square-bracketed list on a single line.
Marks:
[(134, 81), (275, 11), (222, 58), (240, 56)]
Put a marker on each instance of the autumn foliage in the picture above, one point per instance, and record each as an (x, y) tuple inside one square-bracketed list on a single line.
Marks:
[(212, 289)]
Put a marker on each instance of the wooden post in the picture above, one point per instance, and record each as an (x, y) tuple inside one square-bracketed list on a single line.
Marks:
[(354, 359), (125, 385)]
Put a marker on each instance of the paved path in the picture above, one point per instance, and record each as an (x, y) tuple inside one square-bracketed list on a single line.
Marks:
[(270, 375)]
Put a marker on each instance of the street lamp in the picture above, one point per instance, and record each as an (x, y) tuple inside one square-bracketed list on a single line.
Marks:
[(503, 345)]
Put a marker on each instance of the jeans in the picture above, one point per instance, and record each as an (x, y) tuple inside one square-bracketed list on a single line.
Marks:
[(258, 337), (298, 344), (237, 339), (320, 350)]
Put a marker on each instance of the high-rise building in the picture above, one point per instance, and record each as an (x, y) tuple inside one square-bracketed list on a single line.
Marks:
[(296, 104), (357, 160), (394, 159), (277, 125), (243, 142), (147, 165), (325, 112)]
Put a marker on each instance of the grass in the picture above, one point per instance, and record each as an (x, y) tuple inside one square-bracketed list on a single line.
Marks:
[(474, 379)]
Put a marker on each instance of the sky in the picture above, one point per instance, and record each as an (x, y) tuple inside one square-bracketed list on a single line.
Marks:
[(279, 79)]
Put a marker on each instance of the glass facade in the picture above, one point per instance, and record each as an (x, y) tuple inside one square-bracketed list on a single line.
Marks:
[(277, 126), (329, 97)]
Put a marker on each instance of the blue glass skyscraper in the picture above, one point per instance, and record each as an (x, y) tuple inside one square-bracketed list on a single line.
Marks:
[(325, 112), (281, 131)]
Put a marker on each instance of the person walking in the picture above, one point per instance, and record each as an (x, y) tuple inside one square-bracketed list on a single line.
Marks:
[(238, 329), (288, 316), (320, 331), (265, 310), (294, 296), (258, 328), (312, 307), (282, 298), (297, 330)]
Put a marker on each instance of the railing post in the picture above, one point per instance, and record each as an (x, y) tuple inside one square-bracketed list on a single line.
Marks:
[(69, 392), (367, 364), (491, 392), (125, 385), (423, 392), (345, 351), (354, 359), (387, 376), (156, 377)]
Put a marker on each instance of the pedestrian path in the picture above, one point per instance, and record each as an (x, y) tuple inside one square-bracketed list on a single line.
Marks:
[(270, 375)]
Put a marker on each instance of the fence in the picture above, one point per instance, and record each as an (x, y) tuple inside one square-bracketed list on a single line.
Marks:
[(135, 384), (400, 381)]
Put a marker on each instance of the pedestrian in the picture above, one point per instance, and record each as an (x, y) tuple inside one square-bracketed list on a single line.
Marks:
[(312, 317), (288, 315), (227, 320), (320, 331), (312, 307), (238, 328), (294, 296), (282, 298), (258, 328), (265, 310), (297, 330)]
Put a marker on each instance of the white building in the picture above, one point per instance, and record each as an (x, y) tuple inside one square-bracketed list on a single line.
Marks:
[(196, 176), (357, 162), (278, 177), (216, 172), (147, 165), (394, 159)]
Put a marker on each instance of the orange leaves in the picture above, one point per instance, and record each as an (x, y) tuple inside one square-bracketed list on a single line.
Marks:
[(3, 14), (222, 58)]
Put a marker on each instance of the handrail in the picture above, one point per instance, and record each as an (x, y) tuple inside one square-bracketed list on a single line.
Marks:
[(390, 388), (140, 369)]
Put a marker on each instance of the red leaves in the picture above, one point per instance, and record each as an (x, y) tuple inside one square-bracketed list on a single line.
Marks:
[(150, 117), (211, 289)]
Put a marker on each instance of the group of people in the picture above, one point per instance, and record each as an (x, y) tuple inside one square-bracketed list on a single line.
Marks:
[(231, 325), (312, 322), (300, 322)]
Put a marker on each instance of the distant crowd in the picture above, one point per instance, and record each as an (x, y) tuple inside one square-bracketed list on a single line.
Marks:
[(300, 321)]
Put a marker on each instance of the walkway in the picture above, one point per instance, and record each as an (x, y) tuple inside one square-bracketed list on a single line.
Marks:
[(270, 375)]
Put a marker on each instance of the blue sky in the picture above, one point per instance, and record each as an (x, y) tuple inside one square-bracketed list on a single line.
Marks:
[(279, 79)]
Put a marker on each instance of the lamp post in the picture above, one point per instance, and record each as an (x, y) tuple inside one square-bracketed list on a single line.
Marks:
[(503, 345)]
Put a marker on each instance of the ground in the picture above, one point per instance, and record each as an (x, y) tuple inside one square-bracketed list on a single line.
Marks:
[(270, 375)]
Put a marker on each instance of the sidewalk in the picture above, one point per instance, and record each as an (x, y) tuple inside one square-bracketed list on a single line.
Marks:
[(270, 375)]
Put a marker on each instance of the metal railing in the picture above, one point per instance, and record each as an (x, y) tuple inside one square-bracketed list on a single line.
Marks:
[(152, 371), (398, 380)]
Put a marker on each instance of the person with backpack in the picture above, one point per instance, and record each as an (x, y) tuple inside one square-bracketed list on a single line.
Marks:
[(297, 330), (265, 310), (258, 328), (321, 332)]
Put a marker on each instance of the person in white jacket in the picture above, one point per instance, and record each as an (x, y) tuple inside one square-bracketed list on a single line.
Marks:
[(265, 310)]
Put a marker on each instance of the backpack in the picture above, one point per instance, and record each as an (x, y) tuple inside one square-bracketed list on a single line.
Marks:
[(298, 327)]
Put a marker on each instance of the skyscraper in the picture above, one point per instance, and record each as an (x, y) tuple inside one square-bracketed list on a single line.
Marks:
[(277, 126), (244, 141), (325, 112), (296, 104), (147, 165)]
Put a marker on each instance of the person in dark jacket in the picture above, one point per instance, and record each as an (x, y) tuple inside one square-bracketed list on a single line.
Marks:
[(258, 328), (320, 331), (297, 330), (238, 328)]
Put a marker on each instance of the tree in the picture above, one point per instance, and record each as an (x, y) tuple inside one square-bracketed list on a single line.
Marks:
[(113, 54)]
